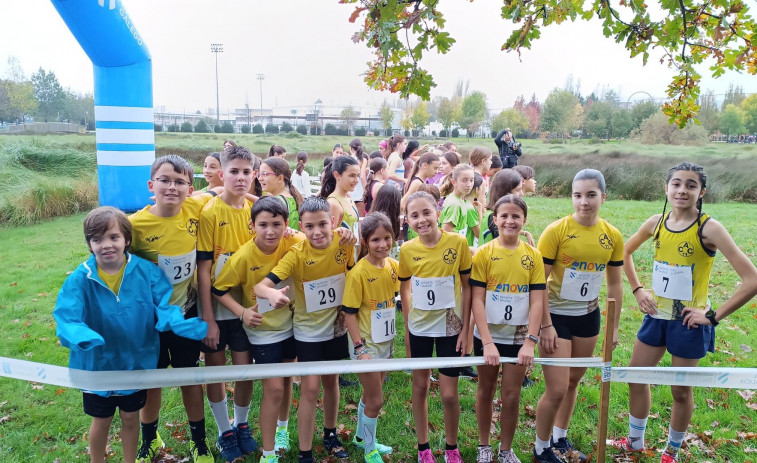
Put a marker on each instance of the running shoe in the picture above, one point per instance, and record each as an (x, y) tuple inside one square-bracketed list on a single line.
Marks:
[(373, 457), (484, 454), (382, 449), (334, 446), (282, 440), (246, 443), (527, 382), (425, 456), (565, 447), (468, 372), (150, 450), (269, 459), (452, 456), (547, 456), (623, 445), (668, 458), (200, 453), (507, 456), (344, 382), (227, 444)]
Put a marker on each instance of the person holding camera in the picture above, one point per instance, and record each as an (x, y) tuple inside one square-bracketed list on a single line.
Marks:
[(509, 149)]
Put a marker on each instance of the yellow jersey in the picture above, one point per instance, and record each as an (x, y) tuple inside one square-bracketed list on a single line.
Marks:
[(681, 269), (370, 294), (509, 276), (579, 256), (436, 305), (113, 282), (223, 230), (246, 268), (350, 216), (170, 243), (319, 280)]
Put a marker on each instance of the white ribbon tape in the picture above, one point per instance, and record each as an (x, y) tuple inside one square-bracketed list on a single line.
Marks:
[(148, 379), (733, 378)]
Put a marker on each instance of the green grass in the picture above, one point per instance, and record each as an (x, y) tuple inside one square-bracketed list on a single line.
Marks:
[(48, 421)]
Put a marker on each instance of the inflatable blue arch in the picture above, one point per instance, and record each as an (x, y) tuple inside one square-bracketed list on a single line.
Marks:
[(124, 130)]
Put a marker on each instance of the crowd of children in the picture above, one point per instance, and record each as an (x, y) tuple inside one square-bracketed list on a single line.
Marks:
[(259, 266)]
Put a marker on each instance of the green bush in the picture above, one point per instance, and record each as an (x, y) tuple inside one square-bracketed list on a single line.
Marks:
[(271, 128), (257, 128), (286, 127), (186, 127), (361, 131), (315, 130), (302, 129), (293, 134), (158, 127), (202, 127), (455, 133), (330, 129), (173, 127), (443, 133), (246, 128)]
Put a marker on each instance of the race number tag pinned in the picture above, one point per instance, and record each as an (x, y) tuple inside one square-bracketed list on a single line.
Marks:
[(580, 286), (220, 262), (264, 306), (178, 268), (383, 324), (506, 308), (672, 282), (324, 293), (433, 293)]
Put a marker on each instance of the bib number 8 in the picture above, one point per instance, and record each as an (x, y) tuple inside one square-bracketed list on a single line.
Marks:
[(508, 312)]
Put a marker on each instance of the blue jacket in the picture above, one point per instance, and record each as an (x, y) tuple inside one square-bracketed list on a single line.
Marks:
[(107, 331)]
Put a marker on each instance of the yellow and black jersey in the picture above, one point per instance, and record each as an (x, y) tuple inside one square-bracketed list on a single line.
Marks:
[(430, 269), (681, 270), (171, 242), (246, 268), (509, 276), (579, 256), (113, 282), (370, 294), (319, 280)]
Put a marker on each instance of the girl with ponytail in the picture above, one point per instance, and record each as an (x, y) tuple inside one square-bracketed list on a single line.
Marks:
[(339, 180), (275, 180), (301, 177), (374, 181), (356, 151)]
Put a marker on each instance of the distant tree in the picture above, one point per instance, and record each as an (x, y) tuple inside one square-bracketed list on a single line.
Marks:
[(643, 110), (271, 128), (443, 133), (21, 96), (315, 129), (302, 129), (433, 107), (348, 116), (657, 129), (386, 114), (449, 111), (749, 107), (5, 103), (420, 116), (510, 118), (173, 127), (158, 127), (257, 128), (709, 112), (226, 127), (533, 112), (14, 72), (202, 127), (734, 95), (286, 127), (621, 123), (561, 112), (245, 128), (473, 111), (455, 132), (330, 129), (78, 108), (597, 119), (186, 126), (360, 131), (407, 119), (49, 94), (732, 120)]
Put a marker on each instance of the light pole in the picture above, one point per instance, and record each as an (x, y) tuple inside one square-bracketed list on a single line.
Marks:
[(217, 48), (260, 79)]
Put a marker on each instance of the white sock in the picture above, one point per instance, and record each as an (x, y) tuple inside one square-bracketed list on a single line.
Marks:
[(675, 439), (240, 414), (221, 415), (360, 414), (558, 433), (540, 445), (282, 424), (636, 429), (267, 453)]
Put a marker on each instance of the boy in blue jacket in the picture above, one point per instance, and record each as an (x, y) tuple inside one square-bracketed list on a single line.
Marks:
[(109, 312)]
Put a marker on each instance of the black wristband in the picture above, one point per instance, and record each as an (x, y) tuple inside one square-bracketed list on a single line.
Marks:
[(637, 288)]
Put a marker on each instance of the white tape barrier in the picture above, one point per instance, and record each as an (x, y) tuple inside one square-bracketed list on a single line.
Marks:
[(732, 378), (147, 379)]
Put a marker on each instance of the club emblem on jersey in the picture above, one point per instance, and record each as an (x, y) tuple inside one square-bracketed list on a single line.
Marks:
[(449, 256), (605, 241), (685, 249), (341, 256), (394, 275), (527, 262), (192, 227)]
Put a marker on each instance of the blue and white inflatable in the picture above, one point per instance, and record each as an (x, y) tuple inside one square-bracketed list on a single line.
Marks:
[(124, 133)]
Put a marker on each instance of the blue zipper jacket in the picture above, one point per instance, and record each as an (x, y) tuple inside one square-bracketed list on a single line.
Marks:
[(107, 331)]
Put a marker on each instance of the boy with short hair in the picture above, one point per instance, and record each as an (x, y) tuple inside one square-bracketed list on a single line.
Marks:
[(225, 225), (317, 267), (269, 330), (166, 235), (103, 319)]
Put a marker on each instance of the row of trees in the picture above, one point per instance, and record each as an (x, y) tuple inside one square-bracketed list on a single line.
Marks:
[(41, 97)]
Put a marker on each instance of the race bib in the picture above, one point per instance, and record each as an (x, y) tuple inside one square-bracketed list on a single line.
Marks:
[(324, 293), (434, 293), (463, 232), (264, 306), (178, 268), (672, 282), (581, 286), (382, 325), (220, 262), (507, 308)]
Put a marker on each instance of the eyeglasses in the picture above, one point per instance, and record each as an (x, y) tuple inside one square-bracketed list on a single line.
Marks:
[(166, 182), (265, 174)]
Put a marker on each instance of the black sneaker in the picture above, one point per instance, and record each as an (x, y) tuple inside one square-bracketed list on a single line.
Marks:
[(547, 456), (344, 382), (468, 372), (334, 446), (527, 382), (566, 449)]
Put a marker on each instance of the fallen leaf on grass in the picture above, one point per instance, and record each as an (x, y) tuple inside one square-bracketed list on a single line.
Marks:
[(25, 335), (15, 283), (746, 348), (747, 395), (5, 418)]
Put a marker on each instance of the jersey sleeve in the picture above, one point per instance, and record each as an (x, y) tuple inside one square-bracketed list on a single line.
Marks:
[(616, 259), (194, 204), (205, 235), (233, 274), (395, 266), (284, 269), (403, 270), (472, 217), (537, 279), (479, 269), (466, 260), (548, 244), (452, 213), (352, 299)]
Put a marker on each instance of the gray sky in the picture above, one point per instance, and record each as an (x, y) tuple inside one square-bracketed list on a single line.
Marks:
[(304, 49)]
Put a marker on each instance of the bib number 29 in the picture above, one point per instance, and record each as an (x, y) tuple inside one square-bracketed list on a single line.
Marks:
[(327, 297)]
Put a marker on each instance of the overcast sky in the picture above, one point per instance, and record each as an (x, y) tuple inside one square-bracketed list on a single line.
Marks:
[(303, 48)]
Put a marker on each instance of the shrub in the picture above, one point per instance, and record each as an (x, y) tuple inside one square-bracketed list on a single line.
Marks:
[(286, 127), (330, 129), (315, 130), (443, 133), (245, 128), (657, 130), (271, 128), (293, 134), (186, 126), (173, 127), (433, 133), (202, 127), (343, 131), (302, 129), (455, 133), (226, 127), (257, 128), (158, 127), (360, 131)]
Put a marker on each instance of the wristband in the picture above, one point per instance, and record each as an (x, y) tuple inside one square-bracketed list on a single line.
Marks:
[(241, 317), (545, 327), (637, 288), (361, 352), (487, 343)]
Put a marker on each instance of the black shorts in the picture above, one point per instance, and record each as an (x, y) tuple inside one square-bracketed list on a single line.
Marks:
[(423, 347), (274, 352), (333, 349), (581, 326), (232, 334), (104, 407), (505, 350), (178, 352)]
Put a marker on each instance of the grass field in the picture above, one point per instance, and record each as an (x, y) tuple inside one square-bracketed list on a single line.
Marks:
[(46, 423)]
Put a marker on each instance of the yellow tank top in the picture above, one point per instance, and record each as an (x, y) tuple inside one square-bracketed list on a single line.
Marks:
[(678, 255)]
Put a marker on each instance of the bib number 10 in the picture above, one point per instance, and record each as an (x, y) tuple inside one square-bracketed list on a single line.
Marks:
[(382, 325)]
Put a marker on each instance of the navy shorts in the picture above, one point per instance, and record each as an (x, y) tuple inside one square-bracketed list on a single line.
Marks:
[(423, 347), (581, 326), (232, 334), (275, 352), (505, 350), (104, 407), (683, 342), (333, 349)]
